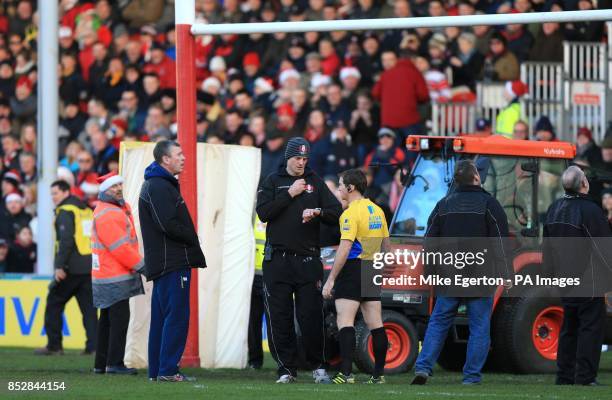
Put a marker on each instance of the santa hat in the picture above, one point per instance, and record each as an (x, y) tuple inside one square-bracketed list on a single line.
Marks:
[(120, 123), (265, 84), (13, 197), (13, 177), (210, 82), (516, 88), (318, 79), (288, 73), (583, 130), (108, 180), (66, 175), (217, 64), (347, 72)]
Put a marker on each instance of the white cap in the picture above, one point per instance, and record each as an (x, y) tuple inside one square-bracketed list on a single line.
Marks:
[(288, 73), (217, 63), (319, 79), (349, 71), (211, 81), (264, 84), (65, 32), (13, 197)]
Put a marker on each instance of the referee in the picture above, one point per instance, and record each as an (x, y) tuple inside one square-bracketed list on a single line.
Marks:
[(293, 202), (363, 232)]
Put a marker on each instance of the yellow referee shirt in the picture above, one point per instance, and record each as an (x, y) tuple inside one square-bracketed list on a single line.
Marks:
[(363, 223)]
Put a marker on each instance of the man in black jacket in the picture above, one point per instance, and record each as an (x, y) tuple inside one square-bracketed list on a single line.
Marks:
[(171, 249), (294, 201), (469, 220), (577, 244), (72, 269)]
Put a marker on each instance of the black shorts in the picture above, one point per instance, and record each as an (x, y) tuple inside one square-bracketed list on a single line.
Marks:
[(355, 282)]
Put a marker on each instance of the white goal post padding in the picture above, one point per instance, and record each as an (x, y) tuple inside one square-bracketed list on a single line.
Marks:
[(227, 185)]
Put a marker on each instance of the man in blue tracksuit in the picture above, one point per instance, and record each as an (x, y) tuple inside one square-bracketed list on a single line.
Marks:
[(171, 249)]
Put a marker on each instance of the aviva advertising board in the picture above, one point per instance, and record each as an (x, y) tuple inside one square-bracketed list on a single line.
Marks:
[(22, 316)]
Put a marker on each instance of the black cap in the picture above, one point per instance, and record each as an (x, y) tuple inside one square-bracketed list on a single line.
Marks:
[(205, 98), (297, 41), (297, 147), (297, 9)]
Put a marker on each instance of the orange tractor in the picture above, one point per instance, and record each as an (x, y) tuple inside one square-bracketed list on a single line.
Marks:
[(525, 177)]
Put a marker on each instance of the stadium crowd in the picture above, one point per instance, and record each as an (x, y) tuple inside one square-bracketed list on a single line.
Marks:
[(353, 96)]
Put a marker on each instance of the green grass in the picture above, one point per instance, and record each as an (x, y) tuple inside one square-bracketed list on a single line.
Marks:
[(73, 370)]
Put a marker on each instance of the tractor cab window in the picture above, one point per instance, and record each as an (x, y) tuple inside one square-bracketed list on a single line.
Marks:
[(428, 183)]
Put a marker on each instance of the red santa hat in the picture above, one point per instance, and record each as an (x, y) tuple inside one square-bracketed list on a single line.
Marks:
[(108, 180), (516, 88)]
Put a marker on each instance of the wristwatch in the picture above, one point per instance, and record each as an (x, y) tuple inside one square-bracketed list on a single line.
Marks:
[(319, 210)]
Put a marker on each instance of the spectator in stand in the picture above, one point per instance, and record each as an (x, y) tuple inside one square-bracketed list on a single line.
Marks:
[(316, 129), (22, 254), (11, 149), (437, 84), (163, 66), (330, 62), (86, 185), (272, 153), (156, 124), (606, 202), (544, 130), (130, 111), (350, 77), (467, 63), (548, 44), (520, 40), (14, 218), (151, 90), (508, 116), (11, 183), (257, 128), (28, 137), (364, 125), (586, 147), (234, 126), (27, 167), (483, 127), (382, 163), (72, 119), (367, 9), (106, 156), (335, 107), (23, 104), (586, 31), (400, 90), (334, 153), (66, 40), (296, 53), (520, 130), (7, 79), (97, 69), (500, 63), (70, 159), (302, 108)]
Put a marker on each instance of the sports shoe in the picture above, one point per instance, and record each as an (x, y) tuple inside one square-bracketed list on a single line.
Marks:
[(420, 378), (376, 381), (340, 378), (176, 378), (44, 351), (287, 379), (121, 370), (320, 376)]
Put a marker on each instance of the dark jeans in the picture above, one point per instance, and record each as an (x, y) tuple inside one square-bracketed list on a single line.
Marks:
[(59, 294), (255, 318), (169, 322), (442, 318), (582, 334), (112, 332)]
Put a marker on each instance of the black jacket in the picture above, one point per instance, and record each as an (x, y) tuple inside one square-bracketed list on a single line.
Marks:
[(283, 213), (578, 243), (469, 220), (168, 235), (67, 256), (21, 259), (10, 224)]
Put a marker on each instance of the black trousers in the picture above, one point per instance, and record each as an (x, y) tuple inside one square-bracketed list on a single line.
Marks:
[(582, 335), (112, 332), (60, 293), (255, 318), (294, 280)]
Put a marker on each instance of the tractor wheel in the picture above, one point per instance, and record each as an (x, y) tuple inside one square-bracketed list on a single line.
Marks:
[(526, 332)]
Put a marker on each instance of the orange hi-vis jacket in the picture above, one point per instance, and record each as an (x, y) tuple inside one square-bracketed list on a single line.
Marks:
[(115, 255)]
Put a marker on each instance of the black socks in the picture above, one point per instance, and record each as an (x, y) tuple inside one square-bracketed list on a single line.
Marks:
[(347, 348), (379, 345)]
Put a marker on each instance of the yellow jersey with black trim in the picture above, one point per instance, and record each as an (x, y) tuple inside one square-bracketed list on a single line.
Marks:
[(363, 223)]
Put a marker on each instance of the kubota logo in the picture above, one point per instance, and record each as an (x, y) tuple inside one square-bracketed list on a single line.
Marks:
[(554, 152)]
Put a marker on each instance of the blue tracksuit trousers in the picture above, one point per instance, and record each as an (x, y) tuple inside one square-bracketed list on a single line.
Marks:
[(169, 322)]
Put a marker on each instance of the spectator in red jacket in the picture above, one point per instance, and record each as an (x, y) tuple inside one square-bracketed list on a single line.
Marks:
[(400, 90), (163, 66)]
